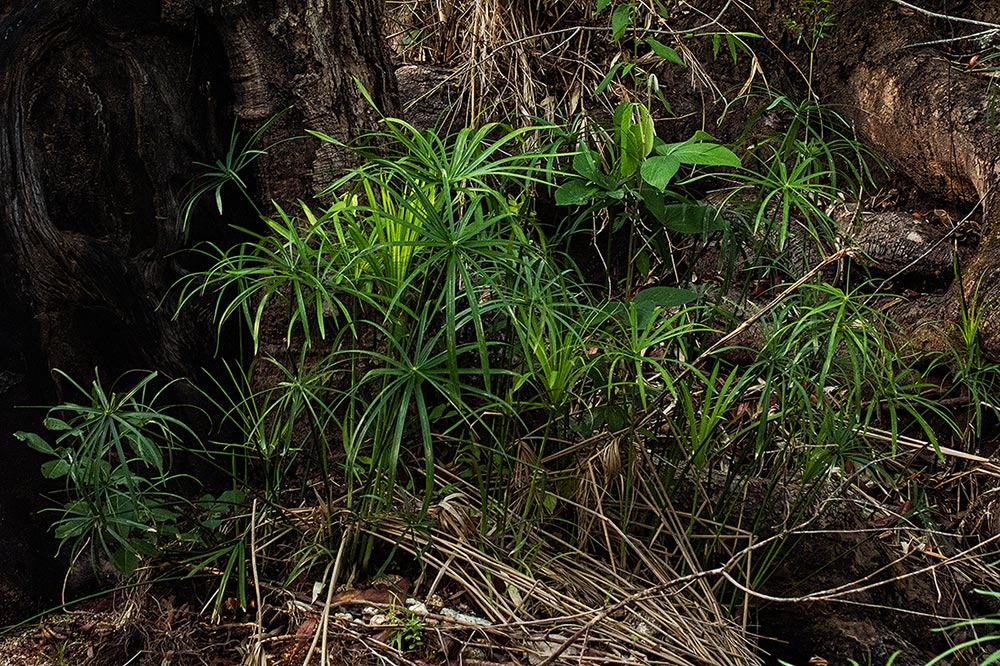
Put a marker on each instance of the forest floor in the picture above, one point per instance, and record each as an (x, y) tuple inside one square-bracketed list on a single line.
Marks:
[(892, 580), (887, 578)]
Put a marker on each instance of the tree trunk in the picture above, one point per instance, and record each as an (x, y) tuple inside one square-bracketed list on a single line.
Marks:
[(106, 107), (922, 108)]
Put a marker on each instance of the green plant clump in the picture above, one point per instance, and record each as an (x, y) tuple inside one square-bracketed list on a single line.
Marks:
[(114, 453), (435, 334)]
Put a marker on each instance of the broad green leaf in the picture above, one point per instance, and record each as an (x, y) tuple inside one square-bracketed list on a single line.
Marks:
[(701, 135), (635, 134), (659, 171), (585, 165), (664, 51), (649, 300), (124, 560), (620, 20), (654, 201), (692, 219), (163, 515), (71, 527), (629, 163), (705, 154), (620, 113), (230, 498), (646, 129), (602, 5), (610, 76), (642, 262), (55, 469), (575, 193), (35, 442), (52, 423), (643, 130)]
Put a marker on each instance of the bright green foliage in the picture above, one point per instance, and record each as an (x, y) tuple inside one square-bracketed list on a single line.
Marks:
[(408, 632), (411, 264), (434, 334), (293, 263), (634, 134), (226, 170), (462, 338), (973, 376), (638, 181), (430, 323), (635, 141)]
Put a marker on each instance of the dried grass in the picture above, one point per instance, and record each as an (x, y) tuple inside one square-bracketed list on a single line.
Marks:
[(509, 57), (564, 605), (546, 59)]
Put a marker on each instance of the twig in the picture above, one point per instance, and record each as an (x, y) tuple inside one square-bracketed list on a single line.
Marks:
[(836, 593), (836, 256), (258, 645), (986, 464), (324, 623), (653, 411), (950, 40), (957, 19)]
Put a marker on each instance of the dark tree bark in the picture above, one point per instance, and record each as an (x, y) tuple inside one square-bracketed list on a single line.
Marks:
[(106, 105)]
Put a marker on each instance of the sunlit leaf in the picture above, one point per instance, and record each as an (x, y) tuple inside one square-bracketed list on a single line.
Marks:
[(700, 153)]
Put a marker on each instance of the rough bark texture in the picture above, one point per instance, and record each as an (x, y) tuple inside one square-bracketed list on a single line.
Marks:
[(105, 108), (926, 112)]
